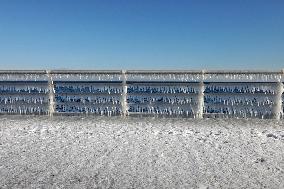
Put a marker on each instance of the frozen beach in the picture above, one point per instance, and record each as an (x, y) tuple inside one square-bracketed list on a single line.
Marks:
[(132, 152)]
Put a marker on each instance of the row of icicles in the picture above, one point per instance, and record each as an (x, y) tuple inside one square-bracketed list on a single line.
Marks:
[(160, 110), (146, 77), (114, 110), (88, 89), (24, 109), (141, 89), (207, 77), (238, 101), (161, 89), (130, 89), (161, 99), (27, 89), (23, 99), (244, 112), (87, 99), (239, 89)]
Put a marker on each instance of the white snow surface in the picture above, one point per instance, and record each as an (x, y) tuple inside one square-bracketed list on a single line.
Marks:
[(135, 152)]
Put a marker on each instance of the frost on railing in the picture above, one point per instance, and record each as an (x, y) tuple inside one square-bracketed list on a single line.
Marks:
[(23, 88), (168, 76), (23, 92), (240, 99), (237, 76), (163, 93), (179, 93), (96, 92), (23, 76), (86, 76)]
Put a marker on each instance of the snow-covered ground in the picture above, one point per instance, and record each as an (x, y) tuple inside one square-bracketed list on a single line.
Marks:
[(117, 152)]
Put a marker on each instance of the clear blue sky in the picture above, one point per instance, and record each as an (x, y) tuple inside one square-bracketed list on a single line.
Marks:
[(141, 34)]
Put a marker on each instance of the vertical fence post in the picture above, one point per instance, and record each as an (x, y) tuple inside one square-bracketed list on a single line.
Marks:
[(200, 101), (277, 107), (277, 110), (282, 95), (124, 94), (51, 94)]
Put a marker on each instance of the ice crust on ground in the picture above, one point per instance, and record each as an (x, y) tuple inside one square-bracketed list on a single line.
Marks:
[(131, 152)]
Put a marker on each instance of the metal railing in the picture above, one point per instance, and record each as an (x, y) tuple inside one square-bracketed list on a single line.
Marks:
[(189, 93)]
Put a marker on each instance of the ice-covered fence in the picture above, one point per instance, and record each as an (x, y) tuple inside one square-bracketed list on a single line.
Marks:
[(243, 93), (24, 92), (206, 93), (97, 92), (170, 93), (165, 92)]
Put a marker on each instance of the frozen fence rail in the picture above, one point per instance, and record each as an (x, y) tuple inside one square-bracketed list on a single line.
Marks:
[(160, 92)]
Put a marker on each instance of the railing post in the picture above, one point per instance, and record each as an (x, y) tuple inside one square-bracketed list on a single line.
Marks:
[(277, 110), (200, 101), (51, 94), (124, 105), (277, 107), (282, 95)]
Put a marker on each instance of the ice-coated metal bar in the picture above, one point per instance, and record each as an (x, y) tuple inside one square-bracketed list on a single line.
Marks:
[(200, 107), (51, 94), (85, 71), (22, 71), (143, 71), (277, 108), (124, 94), (203, 72)]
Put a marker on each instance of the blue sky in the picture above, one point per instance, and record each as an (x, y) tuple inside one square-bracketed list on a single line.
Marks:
[(141, 34)]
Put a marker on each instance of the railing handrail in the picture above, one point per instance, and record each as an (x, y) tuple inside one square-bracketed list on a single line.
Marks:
[(22, 71), (177, 71)]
